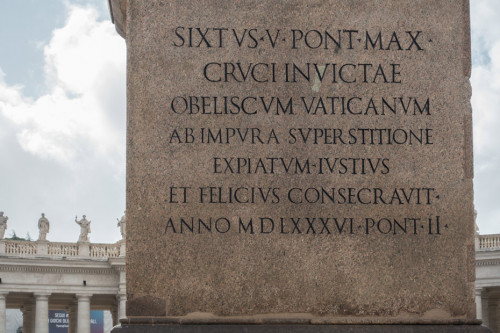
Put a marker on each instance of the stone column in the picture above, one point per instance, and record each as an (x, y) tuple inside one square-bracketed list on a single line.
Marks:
[(122, 306), (32, 320), (114, 315), (27, 311), (71, 310), (3, 317), (41, 313), (479, 304), (83, 313), (485, 315)]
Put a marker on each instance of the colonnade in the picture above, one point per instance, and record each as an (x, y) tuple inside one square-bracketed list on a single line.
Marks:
[(488, 307), (488, 280), (39, 276), (35, 309)]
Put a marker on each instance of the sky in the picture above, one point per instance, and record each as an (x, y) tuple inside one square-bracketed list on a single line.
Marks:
[(63, 112)]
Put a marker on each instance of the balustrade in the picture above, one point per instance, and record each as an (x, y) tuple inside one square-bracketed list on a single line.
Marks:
[(105, 250), (489, 242), (55, 249), (32, 248), (63, 249), (21, 248)]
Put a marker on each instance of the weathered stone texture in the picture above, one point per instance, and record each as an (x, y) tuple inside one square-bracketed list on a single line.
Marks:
[(366, 272)]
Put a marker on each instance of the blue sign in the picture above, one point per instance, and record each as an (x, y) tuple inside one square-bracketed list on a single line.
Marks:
[(59, 321), (96, 322)]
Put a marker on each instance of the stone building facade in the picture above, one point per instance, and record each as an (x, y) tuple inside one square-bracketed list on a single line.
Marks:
[(76, 277), (488, 280)]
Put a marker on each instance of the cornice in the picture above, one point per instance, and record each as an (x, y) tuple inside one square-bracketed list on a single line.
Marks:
[(65, 270), (491, 262)]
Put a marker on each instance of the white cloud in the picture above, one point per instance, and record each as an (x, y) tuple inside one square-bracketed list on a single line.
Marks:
[(485, 28), (71, 120), (485, 100), (64, 152), (485, 82)]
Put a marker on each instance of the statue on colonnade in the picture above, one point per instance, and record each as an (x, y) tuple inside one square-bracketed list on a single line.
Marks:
[(84, 228), (3, 225), (43, 227), (122, 224)]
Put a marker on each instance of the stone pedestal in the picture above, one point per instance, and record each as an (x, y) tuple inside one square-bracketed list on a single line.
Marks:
[(83, 249), (42, 247), (123, 248), (300, 162)]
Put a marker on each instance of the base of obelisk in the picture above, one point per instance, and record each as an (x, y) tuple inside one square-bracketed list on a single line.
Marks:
[(279, 328)]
